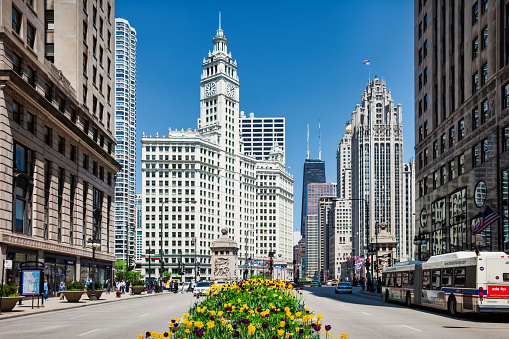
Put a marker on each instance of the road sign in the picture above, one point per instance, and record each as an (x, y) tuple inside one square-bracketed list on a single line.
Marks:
[(8, 264), (246, 265)]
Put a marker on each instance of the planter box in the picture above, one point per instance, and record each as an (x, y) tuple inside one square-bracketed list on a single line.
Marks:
[(98, 293), (73, 296), (138, 289), (8, 303)]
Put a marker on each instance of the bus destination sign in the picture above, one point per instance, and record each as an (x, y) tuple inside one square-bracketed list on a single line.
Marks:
[(498, 291)]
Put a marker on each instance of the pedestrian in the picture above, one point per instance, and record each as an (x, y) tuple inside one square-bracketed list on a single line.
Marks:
[(108, 286), (46, 289), (117, 285), (122, 286), (61, 288), (362, 284), (127, 285)]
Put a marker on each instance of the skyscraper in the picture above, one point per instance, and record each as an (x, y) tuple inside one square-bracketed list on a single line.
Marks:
[(125, 133), (377, 168), (314, 172), (409, 198), (260, 135), (461, 124), (58, 164)]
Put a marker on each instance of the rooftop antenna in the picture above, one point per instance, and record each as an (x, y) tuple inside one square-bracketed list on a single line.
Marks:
[(308, 142), (219, 20), (319, 141)]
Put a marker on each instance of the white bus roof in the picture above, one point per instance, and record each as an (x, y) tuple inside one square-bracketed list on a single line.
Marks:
[(463, 255)]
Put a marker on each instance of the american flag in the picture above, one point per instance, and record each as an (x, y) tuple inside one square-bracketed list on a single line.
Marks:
[(366, 62), (487, 219)]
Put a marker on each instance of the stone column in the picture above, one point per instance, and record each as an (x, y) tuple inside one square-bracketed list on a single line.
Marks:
[(78, 268)]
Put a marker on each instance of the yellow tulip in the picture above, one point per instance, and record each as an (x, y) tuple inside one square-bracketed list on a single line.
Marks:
[(223, 322), (220, 313), (187, 330), (282, 324), (210, 324), (298, 314), (170, 324), (177, 319), (292, 317), (280, 332), (141, 336)]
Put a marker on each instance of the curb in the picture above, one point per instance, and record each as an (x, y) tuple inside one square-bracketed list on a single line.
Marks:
[(371, 294), (75, 306)]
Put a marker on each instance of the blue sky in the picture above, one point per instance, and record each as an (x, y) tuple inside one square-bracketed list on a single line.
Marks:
[(301, 60)]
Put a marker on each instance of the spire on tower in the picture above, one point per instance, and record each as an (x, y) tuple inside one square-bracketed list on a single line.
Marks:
[(219, 19), (319, 141), (308, 143)]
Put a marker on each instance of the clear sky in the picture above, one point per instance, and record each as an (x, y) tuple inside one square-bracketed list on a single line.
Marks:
[(301, 60)]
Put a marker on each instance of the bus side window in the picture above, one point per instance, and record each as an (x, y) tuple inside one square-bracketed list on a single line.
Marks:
[(404, 276), (435, 279), (391, 280), (426, 280), (411, 278), (384, 279), (470, 280), (447, 277), (398, 279), (459, 277)]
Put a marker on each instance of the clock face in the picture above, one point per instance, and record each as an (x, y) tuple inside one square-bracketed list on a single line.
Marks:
[(210, 89), (230, 90), (480, 194), (424, 217)]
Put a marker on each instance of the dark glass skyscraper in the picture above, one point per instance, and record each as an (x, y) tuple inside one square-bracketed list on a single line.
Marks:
[(314, 172)]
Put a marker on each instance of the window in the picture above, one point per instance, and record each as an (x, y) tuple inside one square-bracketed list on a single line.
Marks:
[(442, 146), (452, 170), (451, 137), (420, 29), (73, 153), (484, 150), (420, 56), (48, 92), (94, 45), (16, 63), (505, 103), (61, 104), (435, 149), (425, 129), (461, 164), (85, 161), (506, 138), (443, 175), (30, 118), (94, 168), (94, 105), (16, 20), (484, 74), (74, 115), (425, 102), (425, 75), (484, 7), (484, 115), (30, 35), (16, 111), (475, 48), (23, 159), (484, 41), (425, 22), (420, 81), (475, 82), (425, 49), (475, 13), (85, 64), (475, 156), (85, 126), (420, 133), (461, 129), (22, 206), (61, 144), (420, 107), (31, 76), (475, 118), (48, 136)]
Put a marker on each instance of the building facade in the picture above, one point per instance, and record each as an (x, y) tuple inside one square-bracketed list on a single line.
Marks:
[(125, 133), (314, 172), (315, 223), (260, 135), (377, 168), (461, 123), (138, 246), (409, 198), (57, 138)]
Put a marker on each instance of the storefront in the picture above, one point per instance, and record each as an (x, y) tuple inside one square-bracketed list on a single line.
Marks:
[(58, 269), (18, 256), (103, 271)]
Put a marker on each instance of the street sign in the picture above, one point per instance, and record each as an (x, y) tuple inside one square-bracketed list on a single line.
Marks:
[(246, 265), (8, 264)]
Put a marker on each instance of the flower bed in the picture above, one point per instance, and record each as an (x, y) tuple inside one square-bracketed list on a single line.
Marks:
[(247, 309)]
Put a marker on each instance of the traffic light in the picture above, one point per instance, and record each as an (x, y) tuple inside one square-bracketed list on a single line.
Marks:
[(245, 273), (366, 263), (270, 263)]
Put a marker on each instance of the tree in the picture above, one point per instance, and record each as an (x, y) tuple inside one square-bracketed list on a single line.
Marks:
[(120, 266)]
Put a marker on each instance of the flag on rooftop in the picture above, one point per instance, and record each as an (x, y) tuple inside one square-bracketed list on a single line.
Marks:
[(366, 62)]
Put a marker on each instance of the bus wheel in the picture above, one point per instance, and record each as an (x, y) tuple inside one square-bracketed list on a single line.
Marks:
[(408, 300), (386, 296), (452, 307)]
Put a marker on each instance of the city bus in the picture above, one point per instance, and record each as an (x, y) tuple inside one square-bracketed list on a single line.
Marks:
[(460, 282)]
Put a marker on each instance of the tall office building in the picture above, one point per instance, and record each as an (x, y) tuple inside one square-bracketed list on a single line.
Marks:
[(315, 227), (260, 135), (314, 172), (461, 123), (125, 133), (274, 208), (377, 168), (57, 163), (340, 221), (197, 182), (138, 246)]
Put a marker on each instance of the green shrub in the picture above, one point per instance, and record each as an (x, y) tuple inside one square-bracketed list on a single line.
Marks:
[(9, 290), (138, 282), (74, 286)]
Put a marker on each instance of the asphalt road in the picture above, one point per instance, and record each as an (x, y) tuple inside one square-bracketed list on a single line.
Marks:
[(364, 316), (358, 315)]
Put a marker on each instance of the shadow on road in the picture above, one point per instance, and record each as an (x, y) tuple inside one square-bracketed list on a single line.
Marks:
[(362, 299)]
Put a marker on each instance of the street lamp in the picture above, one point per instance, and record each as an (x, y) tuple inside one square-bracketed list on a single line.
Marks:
[(193, 242), (161, 249), (93, 243), (420, 240), (149, 254)]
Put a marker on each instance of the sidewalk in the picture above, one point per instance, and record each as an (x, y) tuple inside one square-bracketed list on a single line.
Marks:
[(55, 304), (373, 294)]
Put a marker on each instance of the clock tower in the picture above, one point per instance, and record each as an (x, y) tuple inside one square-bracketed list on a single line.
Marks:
[(219, 96)]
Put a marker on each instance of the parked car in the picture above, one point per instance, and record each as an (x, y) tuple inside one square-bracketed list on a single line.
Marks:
[(202, 287), (220, 282), (315, 283), (343, 287)]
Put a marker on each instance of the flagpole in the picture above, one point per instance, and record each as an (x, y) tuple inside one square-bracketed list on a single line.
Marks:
[(369, 72)]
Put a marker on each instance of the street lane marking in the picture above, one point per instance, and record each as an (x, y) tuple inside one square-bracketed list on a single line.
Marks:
[(97, 329), (144, 314), (366, 313), (412, 328), (79, 316)]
